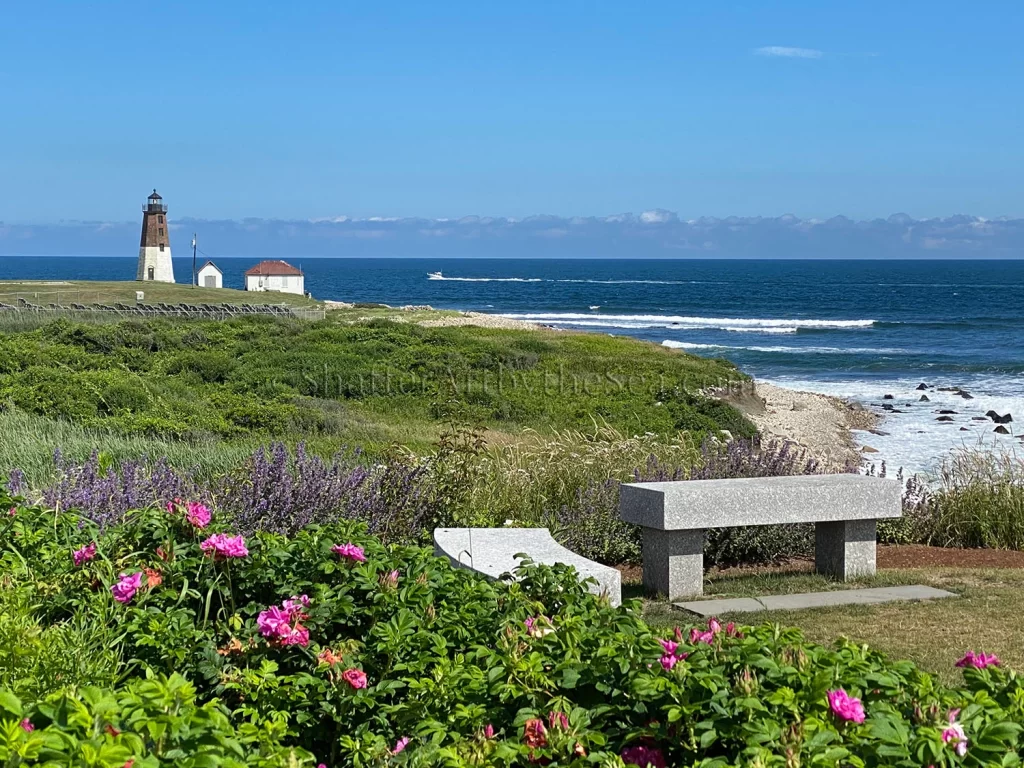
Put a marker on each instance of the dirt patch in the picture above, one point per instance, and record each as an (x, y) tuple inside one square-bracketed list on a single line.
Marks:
[(916, 556), (631, 574)]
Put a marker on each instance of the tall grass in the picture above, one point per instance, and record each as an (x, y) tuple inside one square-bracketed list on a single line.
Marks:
[(28, 442), (524, 481), (977, 501)]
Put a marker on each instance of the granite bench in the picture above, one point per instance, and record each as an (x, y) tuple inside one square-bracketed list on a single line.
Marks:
[(674, 515), (492, 552)]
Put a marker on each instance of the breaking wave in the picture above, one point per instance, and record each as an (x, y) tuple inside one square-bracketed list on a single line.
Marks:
[(680, 322), (672, 343)]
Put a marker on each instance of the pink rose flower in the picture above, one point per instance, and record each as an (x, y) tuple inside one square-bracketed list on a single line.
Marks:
[(349, 552), (85, 554), (845, 706), (197, 514), (697, 636), (978, 660), (644, 757), (954, 734), (354, 677), (669, 646), (296, 605), (558, 720), (274, 623), (488, 731), (401, 744), (126, 588), (705, 636), (222, 546), (26, 725), (281, 625), (668, 661), (297, 635)]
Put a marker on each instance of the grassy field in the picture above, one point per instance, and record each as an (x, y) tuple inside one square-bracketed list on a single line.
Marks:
[(935, 634), (333, 383), (65, 292)]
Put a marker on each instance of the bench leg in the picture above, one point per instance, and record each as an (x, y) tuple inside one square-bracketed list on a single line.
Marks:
[(845, 549), (673, 563)]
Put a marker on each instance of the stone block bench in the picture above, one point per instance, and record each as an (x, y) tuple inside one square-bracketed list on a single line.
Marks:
[(674, 516), (492, 551)]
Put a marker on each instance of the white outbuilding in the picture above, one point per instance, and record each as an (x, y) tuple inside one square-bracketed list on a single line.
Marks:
[(210, 276), (275, 276)]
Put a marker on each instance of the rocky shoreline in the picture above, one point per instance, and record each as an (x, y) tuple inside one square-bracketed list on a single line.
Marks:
[(822, 425)]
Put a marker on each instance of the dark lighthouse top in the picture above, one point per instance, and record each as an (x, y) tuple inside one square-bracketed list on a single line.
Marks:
[(155, 231), (154, 204)]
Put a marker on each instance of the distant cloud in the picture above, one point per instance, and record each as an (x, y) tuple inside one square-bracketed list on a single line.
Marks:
[(657, 216), (788, 53), (651, 233)]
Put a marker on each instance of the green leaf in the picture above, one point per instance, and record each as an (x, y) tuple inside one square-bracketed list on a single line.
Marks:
[(10, 703)]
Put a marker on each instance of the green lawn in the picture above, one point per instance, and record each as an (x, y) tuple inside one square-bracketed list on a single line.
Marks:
[(88, 292), (986, 615)]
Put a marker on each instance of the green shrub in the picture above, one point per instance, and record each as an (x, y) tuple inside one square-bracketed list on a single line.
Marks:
[(391, 373), (212, 366), (151, 722), (125, 396), (395, 645)]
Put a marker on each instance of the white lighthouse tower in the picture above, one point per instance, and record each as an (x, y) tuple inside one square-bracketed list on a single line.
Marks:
[(155, 246)]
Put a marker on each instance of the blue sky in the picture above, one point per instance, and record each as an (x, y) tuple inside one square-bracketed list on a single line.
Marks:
[(309, 110)]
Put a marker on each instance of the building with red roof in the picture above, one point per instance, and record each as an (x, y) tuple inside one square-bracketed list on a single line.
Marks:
[(275, 276)]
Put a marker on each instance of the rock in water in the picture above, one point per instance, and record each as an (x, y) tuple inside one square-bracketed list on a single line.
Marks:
[(887, 397), (944, 418), (1001, 430), (922, 385), (925, 399), (966, 395), (945, 411), (1008, 418)]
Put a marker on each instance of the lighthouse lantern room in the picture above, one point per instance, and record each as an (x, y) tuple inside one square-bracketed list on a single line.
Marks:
[(155, 246)]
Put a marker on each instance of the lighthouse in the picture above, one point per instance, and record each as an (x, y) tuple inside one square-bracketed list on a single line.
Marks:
[(155, 246)]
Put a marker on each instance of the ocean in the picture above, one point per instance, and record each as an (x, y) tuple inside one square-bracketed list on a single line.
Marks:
[(859, 329)]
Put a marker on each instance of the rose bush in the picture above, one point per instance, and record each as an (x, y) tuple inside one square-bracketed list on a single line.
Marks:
[(328, 647)]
